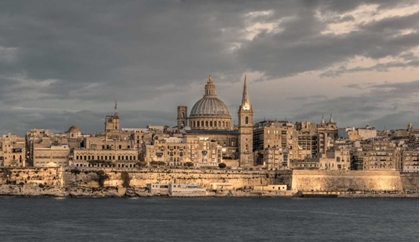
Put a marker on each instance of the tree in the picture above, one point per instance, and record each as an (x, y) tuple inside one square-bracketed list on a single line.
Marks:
[(141, 163), (125, 177), (188, 164), (75, 172), (222, 165), (102, 177)]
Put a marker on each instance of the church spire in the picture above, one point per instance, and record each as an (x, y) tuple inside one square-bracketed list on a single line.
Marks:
[(245, 98), (331, 119), (322, 120)]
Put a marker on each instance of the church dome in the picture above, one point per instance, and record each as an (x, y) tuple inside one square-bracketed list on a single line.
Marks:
[(210, 113), (73, 129), (210, 106)]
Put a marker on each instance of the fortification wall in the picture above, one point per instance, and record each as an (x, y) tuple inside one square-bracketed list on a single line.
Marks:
[(308, 180), (204, 178), (24, 176), (304, 180), (410, 181)]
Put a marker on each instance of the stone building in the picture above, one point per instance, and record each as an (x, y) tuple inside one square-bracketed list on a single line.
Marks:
[(12, 151), (354, 134), (410, 160), (46, 148), (274, 136), (51, 155), (376, 155), (327, 134), (307, 140), (112, 122), (175, 151), (275, 158), (114, 147), (34, 136), (210, 117)]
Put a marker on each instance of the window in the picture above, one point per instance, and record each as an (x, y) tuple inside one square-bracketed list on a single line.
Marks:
[(246, 120)]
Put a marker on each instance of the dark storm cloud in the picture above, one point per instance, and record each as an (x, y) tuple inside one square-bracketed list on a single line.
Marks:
[(307, 49), (382, 102), (99, 51)]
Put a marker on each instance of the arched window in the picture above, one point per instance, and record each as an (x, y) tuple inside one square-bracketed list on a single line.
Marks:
[(207, 123), (182, 124), (338, 159), (220, 123), (246, 120), (182, 114), (211, 123), (202, 123)]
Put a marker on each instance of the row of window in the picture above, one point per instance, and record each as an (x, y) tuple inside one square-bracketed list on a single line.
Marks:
[(210, 124), (106, 157)]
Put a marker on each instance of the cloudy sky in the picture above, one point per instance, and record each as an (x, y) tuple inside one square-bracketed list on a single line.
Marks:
[(65, 63)]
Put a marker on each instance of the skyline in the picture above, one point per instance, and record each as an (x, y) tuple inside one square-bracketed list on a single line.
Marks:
[(66, 64)]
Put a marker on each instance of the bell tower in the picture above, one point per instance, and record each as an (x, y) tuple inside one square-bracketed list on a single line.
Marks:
[(245, 126), (182, 116), (112, 122)]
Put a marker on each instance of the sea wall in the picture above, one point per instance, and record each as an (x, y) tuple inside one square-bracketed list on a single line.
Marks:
[(410, 181), (313, 180), (73, 182), (27, 176), (203, 178)]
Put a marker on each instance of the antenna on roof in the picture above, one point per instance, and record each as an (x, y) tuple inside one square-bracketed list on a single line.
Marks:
[(115, 109)]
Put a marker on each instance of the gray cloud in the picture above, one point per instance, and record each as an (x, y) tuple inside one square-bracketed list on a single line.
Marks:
[(374, 108), (80, 56)]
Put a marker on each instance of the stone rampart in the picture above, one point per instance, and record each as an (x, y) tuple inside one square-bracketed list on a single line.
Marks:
[(410, 181), (204, 178), (27, 176), (308, 180)]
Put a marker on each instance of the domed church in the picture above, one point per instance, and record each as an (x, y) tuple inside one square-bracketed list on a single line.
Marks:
[(210, 117)]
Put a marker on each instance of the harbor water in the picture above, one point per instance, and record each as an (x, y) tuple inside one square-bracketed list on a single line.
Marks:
[(208, 219)]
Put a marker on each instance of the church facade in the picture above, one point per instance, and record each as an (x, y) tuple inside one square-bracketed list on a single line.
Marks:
[(210, 118)]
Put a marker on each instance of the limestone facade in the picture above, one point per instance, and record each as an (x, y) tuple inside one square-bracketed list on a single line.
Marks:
[(410, 160), (12, 151), (199, 150), (51, 156), (112, 148), (377, 155)]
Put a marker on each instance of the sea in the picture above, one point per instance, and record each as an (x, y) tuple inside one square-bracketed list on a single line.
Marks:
[(209, 219)]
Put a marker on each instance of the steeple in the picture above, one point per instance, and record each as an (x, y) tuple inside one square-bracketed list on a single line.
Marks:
[(210, 88), (246, 104), (245, 128), (331, 119), (322, 120), (245, 98)]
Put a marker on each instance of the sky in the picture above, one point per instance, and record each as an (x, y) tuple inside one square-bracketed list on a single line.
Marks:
[(64, 63)]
